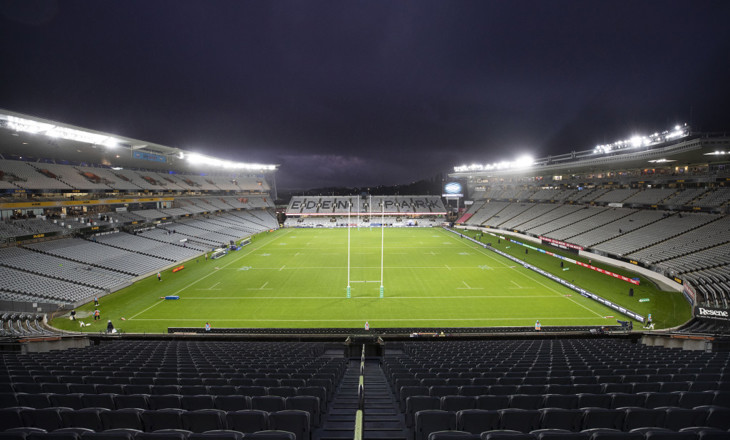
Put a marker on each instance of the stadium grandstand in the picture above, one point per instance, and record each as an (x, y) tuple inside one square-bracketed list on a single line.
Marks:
[(146, 230)]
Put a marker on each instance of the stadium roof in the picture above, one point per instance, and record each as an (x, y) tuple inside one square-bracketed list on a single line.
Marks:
[(29, 136), (695, 149)]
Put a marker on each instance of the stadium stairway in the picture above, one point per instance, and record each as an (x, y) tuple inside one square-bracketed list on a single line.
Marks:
[(382, 418)]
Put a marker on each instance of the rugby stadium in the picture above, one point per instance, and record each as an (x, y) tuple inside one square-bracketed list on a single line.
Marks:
[(151, 293)]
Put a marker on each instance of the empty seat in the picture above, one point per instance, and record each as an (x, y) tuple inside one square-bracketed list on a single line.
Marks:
[(164, 434), (98, 401), (525, 401), (282, 391), (232, 403), (222, 390), (656, 400), (691, 399), (309, 404), (602, 418), (522, 420), (457, 403), (477, 421), (112, 434), (164, 389), (131, 401), (72, 400), (621, 400), (219, 434), (247, 421), (557, 434), (419, 403), (84, 418), (169, 418), (291, 420), (566, 401), (200, 401), (559, 418), (473, 390), (443, 390), (271, 435), (506, 434), (492, 402), (642, 417), (127, 418), (679, 418), (251, 390), (38, 400), (589, 400), (60, 434), (204, 420), (10, 418), (612, 434), (268, 403), (193, 390), (49, 419), (432, 420), (453, 435), (717, 416), (162, 401)]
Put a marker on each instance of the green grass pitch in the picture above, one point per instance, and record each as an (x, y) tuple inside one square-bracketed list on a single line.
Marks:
[(298, 278)]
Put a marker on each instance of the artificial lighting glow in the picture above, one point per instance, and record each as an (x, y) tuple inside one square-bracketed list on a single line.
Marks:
[(521, 162), (717, 153), (57, 132), (199, 159), (637, 141), (661, 161)]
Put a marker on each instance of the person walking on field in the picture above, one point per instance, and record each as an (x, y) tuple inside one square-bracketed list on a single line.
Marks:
[(159, 276)]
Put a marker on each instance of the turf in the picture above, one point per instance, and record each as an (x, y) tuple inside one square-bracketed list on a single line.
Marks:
[(298, 278)]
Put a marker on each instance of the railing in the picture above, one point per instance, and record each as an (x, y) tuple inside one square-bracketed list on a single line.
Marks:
[(359, 414)]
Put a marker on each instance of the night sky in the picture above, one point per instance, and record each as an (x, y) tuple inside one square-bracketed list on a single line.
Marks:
[(360, 93)]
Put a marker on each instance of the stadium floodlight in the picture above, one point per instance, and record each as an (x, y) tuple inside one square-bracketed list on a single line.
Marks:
[(199, 159), (637, 141), (521, 162)]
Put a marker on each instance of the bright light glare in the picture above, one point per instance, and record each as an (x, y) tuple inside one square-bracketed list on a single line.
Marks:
[(199, 159), (58, 132), (521, 162)]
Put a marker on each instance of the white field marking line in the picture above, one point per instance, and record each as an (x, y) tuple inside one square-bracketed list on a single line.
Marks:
[(447, 266), (518, 286), (282, 268), (359, 320), (211, 287), (529, 275), (329, 298), (468, 287), (206, 276), (368, 267), (260, 288), (297, 254)]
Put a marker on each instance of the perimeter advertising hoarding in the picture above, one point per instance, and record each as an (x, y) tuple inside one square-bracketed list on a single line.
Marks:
[(713, 313), (561, 244)]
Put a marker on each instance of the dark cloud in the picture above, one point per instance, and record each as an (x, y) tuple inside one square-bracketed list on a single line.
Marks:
[(368, 92)]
